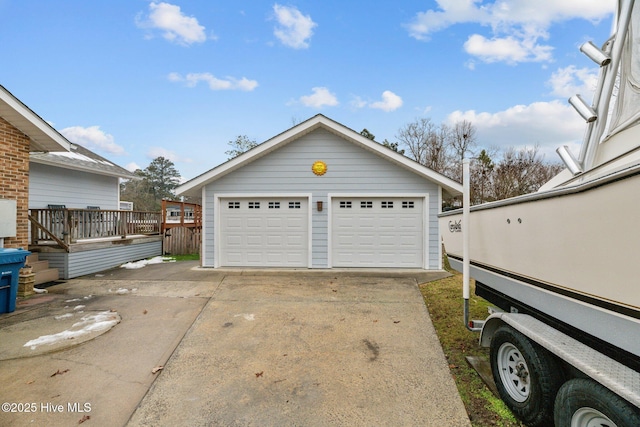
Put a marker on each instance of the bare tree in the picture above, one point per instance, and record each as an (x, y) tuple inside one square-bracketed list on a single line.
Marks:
[(427, 144), (521, 172), (463, 139)]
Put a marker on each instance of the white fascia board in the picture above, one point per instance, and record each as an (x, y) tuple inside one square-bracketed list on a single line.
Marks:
[(45, 137)]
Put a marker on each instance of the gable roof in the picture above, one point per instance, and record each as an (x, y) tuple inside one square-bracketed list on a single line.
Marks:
[(43, 137), (318, 121), (82, 159)]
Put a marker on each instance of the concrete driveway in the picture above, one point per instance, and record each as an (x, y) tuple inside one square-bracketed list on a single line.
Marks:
[(241, 348)]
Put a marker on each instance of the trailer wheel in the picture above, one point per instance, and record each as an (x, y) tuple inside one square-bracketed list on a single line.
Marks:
[(526, 375), (585, 403)]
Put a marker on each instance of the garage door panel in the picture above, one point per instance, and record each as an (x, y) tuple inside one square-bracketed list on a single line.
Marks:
[(261, 232), (377, 232)]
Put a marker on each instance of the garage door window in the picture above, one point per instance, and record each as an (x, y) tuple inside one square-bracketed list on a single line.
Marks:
[(234, 205), (366, 204), (387, 205), (294, 205), (407, 205), (345, 205), (274, 205)]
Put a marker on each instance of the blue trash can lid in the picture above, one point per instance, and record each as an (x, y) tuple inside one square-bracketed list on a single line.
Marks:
[(12, 256)]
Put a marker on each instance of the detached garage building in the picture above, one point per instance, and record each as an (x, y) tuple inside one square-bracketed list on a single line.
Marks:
[(321, 195)]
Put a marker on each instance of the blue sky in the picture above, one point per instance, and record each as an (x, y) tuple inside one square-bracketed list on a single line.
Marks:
[(136, 79)]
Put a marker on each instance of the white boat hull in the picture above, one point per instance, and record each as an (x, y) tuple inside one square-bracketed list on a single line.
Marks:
[(569, 254)]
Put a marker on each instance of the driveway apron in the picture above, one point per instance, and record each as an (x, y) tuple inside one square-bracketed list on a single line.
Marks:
[(307, 350)]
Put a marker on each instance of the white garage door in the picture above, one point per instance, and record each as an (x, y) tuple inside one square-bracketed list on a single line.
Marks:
[(377, 232), (261, 232)]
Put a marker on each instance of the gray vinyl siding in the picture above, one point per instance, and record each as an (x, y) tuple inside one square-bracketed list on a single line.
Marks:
[(50, 185), (350, 169), (76, 264)]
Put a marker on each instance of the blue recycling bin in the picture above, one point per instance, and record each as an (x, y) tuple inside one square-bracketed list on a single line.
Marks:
[(11, 261)]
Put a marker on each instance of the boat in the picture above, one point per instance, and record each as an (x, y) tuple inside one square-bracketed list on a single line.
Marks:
[(559, 264)]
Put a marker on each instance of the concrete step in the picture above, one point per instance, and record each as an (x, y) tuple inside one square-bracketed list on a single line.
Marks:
[(33, 257), (38, 265), (48, 275), (42, 270)]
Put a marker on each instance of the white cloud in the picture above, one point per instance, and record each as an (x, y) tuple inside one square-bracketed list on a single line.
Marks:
[(547, 124), (390, 102), (176, 27), (92, 138), (516, 25), (228, 83), (568, 81), (321, 97), (507, 49), (155, 152), (294, 29), (132, 167)]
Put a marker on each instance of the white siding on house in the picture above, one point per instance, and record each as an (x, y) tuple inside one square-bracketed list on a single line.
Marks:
[(350, 169), (49, 185)]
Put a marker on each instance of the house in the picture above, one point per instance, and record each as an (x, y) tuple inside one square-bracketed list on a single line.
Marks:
[(320, 195), (21, 132), (68, 199)]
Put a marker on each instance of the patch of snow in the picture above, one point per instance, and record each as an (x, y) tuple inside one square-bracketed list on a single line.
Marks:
[(91, 323), (246, 316), (79, 307), (63, 316), (122, 291), (40, 291), (72, 300), (133, 265)]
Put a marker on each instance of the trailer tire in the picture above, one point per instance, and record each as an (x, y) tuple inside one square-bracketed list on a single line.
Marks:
[(583, 402), (527, 376)]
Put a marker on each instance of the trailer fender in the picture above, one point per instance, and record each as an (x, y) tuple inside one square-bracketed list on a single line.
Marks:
[(491, 324)]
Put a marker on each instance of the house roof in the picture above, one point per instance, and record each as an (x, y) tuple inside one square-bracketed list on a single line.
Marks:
[(82, 159), (43, 137), (318, 121), (48, 146)]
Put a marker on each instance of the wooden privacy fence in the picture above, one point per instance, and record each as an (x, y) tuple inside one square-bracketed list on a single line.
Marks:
[(182, 227), (182, 240)]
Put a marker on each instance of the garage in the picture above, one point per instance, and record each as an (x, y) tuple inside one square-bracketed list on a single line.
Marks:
[(377, 232), (320, 195), (264, 232)]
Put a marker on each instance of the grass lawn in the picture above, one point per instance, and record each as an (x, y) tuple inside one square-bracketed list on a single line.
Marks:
[(188, 257), (444, 301)]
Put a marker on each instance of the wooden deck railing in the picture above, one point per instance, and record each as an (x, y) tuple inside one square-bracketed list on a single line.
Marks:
[(71, 225), (180, 214)]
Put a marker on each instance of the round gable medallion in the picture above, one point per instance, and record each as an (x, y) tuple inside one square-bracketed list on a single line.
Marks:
[(319, 168)]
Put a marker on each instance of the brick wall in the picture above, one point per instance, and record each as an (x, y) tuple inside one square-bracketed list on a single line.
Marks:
[(14, 179)]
